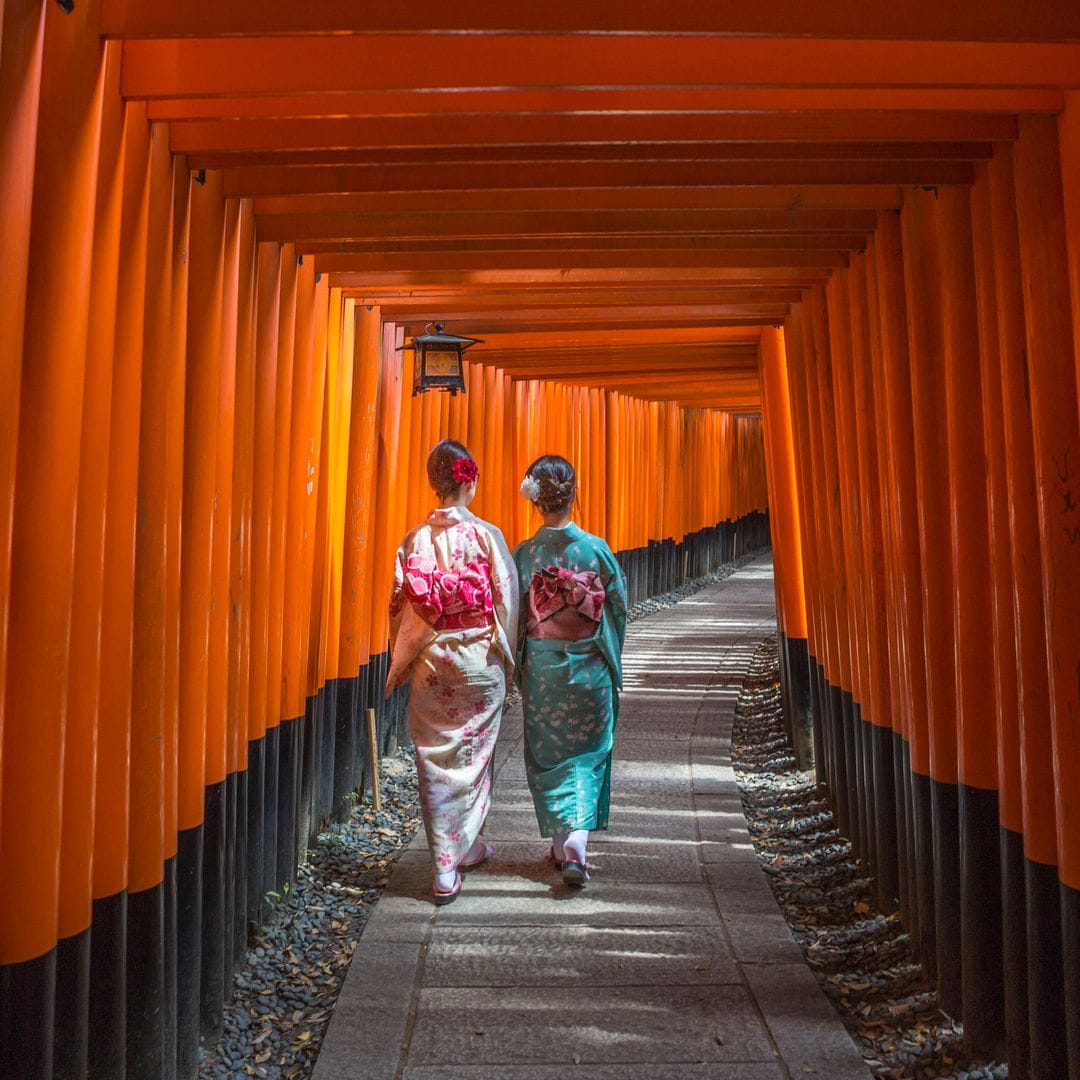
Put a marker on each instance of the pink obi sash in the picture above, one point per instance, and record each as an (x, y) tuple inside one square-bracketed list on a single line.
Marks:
[(450, 599), (564, 604)]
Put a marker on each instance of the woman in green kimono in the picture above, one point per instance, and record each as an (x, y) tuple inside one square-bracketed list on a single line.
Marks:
[(574, 624)]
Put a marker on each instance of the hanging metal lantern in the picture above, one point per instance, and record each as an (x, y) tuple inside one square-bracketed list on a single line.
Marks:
[(437, 361)]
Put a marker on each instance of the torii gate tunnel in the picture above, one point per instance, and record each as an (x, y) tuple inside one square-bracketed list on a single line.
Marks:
[(809, 270)]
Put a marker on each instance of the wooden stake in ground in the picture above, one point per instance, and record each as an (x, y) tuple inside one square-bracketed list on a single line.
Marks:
[(373, 758)]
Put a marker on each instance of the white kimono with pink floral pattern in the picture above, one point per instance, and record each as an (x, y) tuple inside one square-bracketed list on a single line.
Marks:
[(453, 627)]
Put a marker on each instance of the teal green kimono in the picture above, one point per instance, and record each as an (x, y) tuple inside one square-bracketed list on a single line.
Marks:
[(573, 627)]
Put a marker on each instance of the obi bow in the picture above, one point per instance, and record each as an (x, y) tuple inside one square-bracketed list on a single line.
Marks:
[(557, 587), (449, 599)]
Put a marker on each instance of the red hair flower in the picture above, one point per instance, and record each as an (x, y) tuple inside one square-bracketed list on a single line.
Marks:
[(464, 471)]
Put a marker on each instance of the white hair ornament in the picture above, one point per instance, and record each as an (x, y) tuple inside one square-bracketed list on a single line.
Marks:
[(530, 488)]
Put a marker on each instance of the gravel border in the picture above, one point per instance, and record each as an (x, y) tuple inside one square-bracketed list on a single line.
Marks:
[(862, 958), (284, 994)]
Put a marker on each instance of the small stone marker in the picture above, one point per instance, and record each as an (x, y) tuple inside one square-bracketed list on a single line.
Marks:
[(373, 757)]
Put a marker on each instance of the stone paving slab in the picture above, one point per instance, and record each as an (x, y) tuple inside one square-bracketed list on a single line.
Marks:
[(803, 1023), (623, 1071), (372, 1013), (579, 956), (614, 859), (548, 1025), (674, 961), (510, 900)]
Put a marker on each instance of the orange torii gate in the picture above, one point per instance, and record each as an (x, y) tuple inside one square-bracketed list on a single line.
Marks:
[(838, 249)]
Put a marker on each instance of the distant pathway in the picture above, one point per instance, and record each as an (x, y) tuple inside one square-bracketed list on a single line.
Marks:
[(674, 960)]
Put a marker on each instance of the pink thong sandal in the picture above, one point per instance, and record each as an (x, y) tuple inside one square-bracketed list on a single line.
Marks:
[(575, 873), (442, 898), (483, 857)]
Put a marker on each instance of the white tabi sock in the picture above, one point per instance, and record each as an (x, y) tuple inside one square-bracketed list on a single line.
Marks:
[(574, 846)]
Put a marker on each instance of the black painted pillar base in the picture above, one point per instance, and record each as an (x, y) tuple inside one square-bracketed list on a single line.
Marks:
[(816, 709), (212, 978), (901, 763), (887, 866), (1070, 936), (1014, 956), (925, 921), (108, 1002), (980, 921), (146, 982), (189, 859), (27, 1017), (256, 810), (1046, 1007), (72, 1031), (946, 817), (327, 752), (345, 732), (840, 780), (271, 765), (795, 680), (242, 878), (168, 1017)]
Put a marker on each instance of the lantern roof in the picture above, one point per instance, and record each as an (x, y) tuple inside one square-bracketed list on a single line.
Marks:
[(440, 337)]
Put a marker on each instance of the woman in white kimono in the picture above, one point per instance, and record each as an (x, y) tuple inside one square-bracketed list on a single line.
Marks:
[(453, 626)]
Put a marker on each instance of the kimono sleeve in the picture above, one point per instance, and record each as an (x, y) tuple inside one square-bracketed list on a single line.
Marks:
[(611, 575), (397, 596), (505, 593)]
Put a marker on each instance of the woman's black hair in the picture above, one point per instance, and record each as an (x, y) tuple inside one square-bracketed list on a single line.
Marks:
[(557, 482), (440, 467)]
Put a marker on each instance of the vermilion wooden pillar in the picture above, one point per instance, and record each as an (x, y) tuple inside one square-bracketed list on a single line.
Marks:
[(834, 657), (1069, 146), (84, 675), (980, 886), (784, 500), (938, 868), (1056, 429), (39, 506), (22, 30), (813, 569), (147, 1006), (878, 733), (262, 763), (242, 877), (215, 771), (112, 824), (174, 486), (359, 521), (280, 740), (845, 682), (985, 1036), (1027, 803), (200, 450), (852, 544)]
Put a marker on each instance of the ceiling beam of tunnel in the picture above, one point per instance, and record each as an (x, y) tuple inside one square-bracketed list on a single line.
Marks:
[(568, 101), (619, 196), (609, 199), (350, 62), (992, 20), (312, 179)]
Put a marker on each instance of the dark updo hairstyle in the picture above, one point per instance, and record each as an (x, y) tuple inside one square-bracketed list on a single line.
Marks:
[(558, 484), (440, 467)]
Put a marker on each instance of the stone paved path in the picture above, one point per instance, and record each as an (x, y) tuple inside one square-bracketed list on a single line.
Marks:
[(674, 960)]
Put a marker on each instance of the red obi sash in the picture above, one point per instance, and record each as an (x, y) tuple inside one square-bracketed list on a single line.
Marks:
[(564, 604), (450, 599)]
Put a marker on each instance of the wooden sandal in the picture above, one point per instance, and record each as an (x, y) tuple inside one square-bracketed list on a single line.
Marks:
[(483, 857), (575, 873), (443, 898)]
